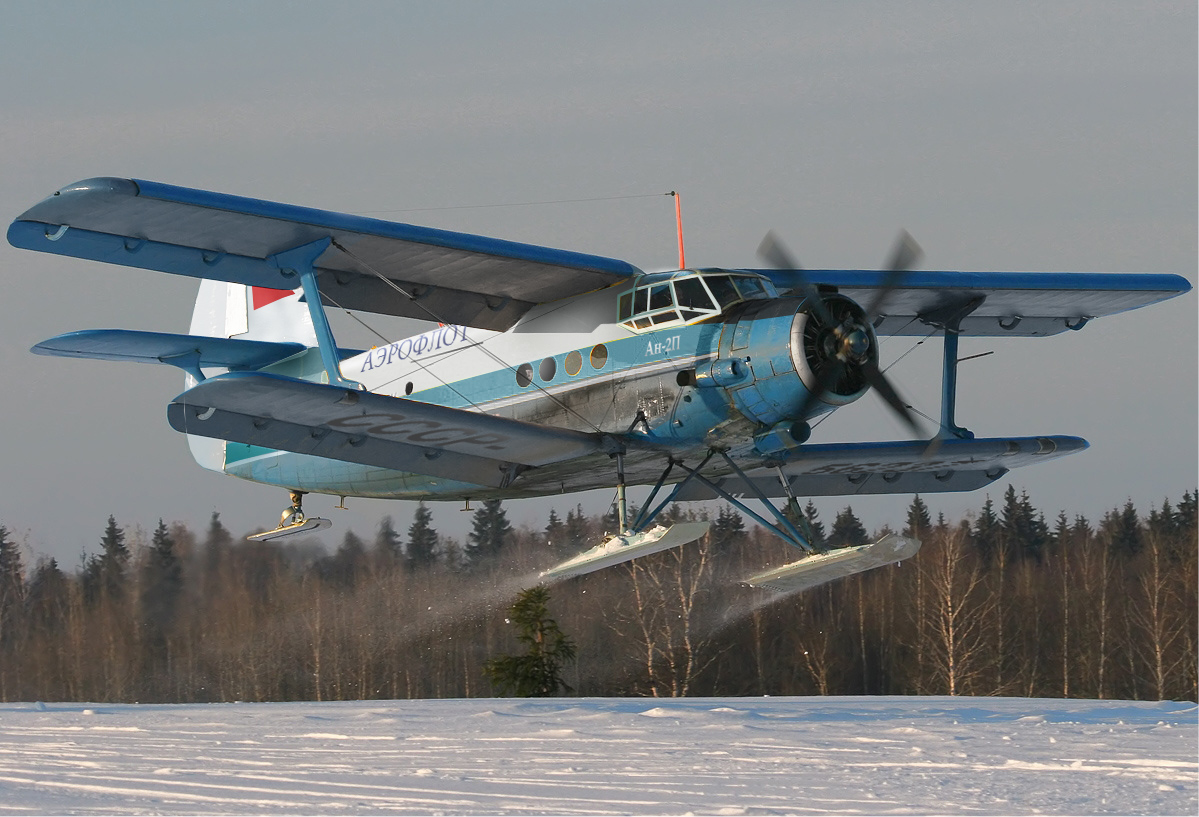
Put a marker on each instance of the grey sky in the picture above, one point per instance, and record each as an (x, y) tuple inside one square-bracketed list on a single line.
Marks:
[(1048, 136)]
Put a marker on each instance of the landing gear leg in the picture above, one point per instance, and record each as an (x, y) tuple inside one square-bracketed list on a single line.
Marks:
[(295, 514)]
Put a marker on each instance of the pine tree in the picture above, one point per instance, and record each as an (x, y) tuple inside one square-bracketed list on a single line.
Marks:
[(161, 586), (218, 543), (489, 531), (919, 524), (555, 534), (422, 540), (815, 526), (577, 529), (389, 548), (12, 587), (348, 564), (48, 597), (987, 533), (727, 529), (848, 530), (1024, 530), (113, 559), (1124, 528), (538, 672)]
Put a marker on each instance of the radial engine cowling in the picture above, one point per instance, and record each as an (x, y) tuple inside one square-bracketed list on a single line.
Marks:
[(771, 360)]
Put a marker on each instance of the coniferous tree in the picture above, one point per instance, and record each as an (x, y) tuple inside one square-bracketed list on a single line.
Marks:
[(218, 543), (48, 596), (489, 531), (161, 587), (113, 559), (347, 565), (12, 587), (987, 533), (1025, 532), (538, 672), (389, 548), (422, 540), (555, 533), (919, 524), (815, 526), (577, 530), (728, 528), (847, 530), (1124, 526)]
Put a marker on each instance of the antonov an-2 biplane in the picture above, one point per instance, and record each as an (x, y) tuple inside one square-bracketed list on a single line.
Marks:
[(551, 372)]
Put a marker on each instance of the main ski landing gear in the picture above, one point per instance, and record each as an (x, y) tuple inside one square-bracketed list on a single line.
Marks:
[(292, 522)]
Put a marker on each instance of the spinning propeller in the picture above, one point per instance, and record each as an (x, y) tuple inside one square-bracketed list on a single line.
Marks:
[(843, 342)]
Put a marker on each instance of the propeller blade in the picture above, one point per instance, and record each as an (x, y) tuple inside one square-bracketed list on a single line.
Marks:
[(775, 253), (904, 255), (885, 390), (825, 379)]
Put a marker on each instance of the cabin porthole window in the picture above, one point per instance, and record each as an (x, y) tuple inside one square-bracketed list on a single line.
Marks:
[(599, 356), (547, 369), (408, 388), (573, 363), (524, 375)]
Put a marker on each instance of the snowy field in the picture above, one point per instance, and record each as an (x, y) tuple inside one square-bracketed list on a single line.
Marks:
[(604, 756)]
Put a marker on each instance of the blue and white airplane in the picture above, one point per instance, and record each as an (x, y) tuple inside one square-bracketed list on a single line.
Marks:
[(551, 372)]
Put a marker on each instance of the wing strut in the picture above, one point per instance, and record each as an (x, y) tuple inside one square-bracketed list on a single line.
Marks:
[(949, 320), (301, 261)]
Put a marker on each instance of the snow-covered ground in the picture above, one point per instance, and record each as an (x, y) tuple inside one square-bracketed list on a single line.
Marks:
[(604, 756)]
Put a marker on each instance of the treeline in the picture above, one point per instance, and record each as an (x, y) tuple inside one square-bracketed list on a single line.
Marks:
[(1003, 602)]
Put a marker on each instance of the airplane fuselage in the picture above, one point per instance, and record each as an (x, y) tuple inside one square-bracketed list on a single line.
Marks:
[(732, 378)]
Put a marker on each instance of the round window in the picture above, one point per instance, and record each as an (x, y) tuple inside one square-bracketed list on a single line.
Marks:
[(599, 356), (574, 362), (547, 369), (524, 375)]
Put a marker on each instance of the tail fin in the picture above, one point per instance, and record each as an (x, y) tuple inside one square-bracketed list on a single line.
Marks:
[(251, 313), (225, 310)]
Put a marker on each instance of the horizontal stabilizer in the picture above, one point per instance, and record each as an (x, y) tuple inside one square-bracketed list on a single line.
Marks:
[(902, 467), (184, 351), (994, 304), (618, 549), (286, 414), (836, 564)]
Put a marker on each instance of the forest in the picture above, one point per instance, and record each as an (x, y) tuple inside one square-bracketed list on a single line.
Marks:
[(1002, 602)]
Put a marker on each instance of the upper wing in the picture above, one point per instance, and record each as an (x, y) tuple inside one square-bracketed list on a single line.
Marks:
[(906, 467), (997, 304), (372, 429), (448, 277)]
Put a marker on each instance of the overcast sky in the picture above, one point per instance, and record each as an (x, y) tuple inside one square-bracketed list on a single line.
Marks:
[(1046, 136)]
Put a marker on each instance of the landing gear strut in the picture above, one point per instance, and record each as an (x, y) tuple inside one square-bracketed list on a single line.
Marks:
[(292, 521)]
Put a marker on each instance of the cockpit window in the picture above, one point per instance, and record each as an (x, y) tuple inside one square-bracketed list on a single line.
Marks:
[(693, 298), (750, 287), (722, 287), (688, 297)]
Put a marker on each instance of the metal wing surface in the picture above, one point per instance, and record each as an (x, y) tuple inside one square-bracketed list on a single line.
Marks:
[(445, 276), (846, 469), (184, 351), (995, 304), (286, 414)]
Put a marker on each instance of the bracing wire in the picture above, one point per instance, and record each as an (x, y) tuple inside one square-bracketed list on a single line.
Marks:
[(482, 346)]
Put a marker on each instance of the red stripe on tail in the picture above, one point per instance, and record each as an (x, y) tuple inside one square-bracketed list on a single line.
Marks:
[(263, 296)]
